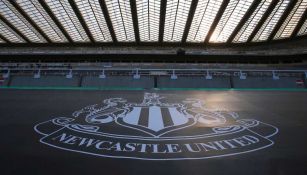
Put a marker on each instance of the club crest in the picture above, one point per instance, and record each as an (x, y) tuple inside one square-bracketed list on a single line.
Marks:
[(155, 129)]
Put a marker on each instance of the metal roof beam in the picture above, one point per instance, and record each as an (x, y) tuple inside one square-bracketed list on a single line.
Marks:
[(14, 29), (189, 20), (135, 21), (81, 20), (162, 20), (216, 20), (248, 14), (108, 19), (55, 20), (33, 24), (282, 19), (299, 25), (4, 39), (263, 19)]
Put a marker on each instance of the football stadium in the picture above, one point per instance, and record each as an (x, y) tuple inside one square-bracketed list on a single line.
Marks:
[(154, 87)]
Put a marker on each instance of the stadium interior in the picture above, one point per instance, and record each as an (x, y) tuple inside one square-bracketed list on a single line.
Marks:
[(136, 86)]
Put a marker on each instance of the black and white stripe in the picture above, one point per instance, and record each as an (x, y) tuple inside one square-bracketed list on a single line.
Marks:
[(155, 118)]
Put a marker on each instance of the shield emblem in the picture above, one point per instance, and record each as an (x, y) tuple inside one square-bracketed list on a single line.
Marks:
[(156, 120), (154, 117)]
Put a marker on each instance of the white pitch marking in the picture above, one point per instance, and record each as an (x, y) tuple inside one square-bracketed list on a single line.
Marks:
[(177, 117), (155, 120), (133, 116)]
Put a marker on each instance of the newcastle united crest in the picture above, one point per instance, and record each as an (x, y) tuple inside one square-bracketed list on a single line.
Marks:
[(154, 129)]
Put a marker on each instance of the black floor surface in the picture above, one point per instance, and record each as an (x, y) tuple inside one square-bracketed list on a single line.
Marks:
[(21, 151)]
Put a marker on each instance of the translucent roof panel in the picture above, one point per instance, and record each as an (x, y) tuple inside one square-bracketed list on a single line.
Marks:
[(148, 19), (292, 20), (93, 16), (84, 21), (68, 19), (204, 16), (1, 41), (120, 14), (233, 14), (252, 22), (176, 15), (37, 13), (303, 30), (266, 29), (9, 34), (19, 22)]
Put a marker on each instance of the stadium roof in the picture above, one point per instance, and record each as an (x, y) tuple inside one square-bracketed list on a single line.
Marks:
[(150, 22)]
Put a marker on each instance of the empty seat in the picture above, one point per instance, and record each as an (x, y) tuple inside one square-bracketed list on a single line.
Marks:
[(267, 82), (118, 81), (193, 82), (45, 81)]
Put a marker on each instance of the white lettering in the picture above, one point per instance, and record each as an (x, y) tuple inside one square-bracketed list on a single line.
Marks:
[(99, 145), (129, 147), (173, 148)]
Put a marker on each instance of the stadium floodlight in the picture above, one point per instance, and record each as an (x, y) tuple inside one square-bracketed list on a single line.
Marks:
[(7, 74), (174, 76), (242, 75), (208, 76), (102, 75), (37, 75), (137, 75), (275, 76), (69, 75)]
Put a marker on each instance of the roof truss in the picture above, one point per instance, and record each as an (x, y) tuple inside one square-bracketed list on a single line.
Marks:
[(125, 22)]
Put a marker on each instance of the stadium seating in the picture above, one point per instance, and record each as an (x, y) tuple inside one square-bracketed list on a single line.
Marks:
[(267, 82), (193, 82), (149, 82), (118, 82), (44, 81)]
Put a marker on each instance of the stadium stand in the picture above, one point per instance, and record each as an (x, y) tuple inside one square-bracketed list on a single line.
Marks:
[(44, 81), (268, 82), (118, 82), (194, 82)]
